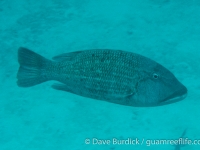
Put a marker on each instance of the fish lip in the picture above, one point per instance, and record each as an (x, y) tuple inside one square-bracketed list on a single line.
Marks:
[(176, 96)]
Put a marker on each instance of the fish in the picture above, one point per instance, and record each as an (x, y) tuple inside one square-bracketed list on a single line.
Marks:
[(115, 76), (179, 145)]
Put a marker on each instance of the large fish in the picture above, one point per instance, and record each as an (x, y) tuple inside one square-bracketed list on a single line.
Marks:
[(111, 75)]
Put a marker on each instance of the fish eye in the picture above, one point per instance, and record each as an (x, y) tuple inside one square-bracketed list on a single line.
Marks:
[(155, 76)]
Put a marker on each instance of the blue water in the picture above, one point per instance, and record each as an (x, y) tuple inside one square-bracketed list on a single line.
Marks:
[(41, 118)]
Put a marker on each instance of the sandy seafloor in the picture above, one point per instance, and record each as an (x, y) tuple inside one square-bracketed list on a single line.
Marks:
[(41, 118)]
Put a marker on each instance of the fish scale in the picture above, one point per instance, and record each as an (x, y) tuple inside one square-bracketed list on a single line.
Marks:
[(107, 76)]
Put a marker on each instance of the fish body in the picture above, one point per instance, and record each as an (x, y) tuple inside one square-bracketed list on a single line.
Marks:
[(111, 75)]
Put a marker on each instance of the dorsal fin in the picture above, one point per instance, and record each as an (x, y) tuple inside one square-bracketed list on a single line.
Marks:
[(66, 56)]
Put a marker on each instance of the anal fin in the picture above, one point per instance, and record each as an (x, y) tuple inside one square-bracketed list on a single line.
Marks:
[(62, 87)]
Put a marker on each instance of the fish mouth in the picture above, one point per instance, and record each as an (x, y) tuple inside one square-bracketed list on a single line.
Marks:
[(176, 96)]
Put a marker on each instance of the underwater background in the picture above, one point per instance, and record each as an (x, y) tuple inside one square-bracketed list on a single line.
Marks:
[(41, 118)]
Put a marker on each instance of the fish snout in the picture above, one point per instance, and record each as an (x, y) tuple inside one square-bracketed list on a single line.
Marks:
[(176, 96)]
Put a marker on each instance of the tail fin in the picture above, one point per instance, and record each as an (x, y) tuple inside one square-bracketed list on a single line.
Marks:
[(32, 68)]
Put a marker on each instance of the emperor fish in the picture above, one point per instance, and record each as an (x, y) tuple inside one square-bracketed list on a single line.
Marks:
[(114, 76)]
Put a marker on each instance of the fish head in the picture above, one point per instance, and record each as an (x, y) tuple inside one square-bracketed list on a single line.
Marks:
[(158, 86)]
